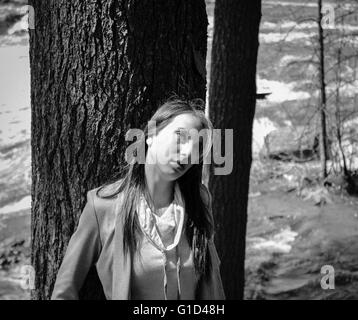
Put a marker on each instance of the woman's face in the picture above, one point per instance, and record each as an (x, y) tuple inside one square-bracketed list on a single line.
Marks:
[(171, 149)]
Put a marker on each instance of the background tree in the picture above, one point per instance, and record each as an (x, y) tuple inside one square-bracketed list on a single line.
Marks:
[(98, 68), (232, 106), (329, 67), (323, 102)]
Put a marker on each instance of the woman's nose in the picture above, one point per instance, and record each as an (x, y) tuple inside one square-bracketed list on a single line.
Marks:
[(185, 151)]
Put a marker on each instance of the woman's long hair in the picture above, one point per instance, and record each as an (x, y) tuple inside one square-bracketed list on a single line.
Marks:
[(131, 183)]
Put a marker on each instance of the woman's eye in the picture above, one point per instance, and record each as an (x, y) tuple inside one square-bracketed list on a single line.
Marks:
[(182, 137)]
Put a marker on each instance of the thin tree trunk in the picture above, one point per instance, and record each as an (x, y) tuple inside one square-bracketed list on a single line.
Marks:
[(323, 104), (99, 68), (232, 106), (338, 113)]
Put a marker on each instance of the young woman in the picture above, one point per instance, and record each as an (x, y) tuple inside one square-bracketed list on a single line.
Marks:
[(149, 231)]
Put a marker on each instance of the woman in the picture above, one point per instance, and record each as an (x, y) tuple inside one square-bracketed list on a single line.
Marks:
[(149, 231)]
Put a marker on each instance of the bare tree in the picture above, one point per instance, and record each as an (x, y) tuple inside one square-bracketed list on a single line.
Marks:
[(335, 61), (322, 109)]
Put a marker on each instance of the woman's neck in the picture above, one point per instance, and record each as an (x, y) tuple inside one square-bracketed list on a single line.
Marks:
[(161, 191)]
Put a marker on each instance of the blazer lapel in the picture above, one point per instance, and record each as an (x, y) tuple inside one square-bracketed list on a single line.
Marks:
[(121, 265)]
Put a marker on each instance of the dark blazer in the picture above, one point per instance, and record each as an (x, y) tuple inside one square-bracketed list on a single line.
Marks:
[(98, 241)]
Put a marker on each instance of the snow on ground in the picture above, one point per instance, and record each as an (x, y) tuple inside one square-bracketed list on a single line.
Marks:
[(15, 113), (21, 25), (281, 91), (278, 243), (262, 127), (23, 204), (290, 4), (285, 60), (308, 4), (275, 37), (287, 25)]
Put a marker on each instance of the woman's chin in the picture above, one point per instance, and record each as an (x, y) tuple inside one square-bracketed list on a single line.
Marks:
[(171, 172)]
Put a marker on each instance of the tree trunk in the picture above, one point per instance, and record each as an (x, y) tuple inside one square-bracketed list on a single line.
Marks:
[(99, 68), (339, 125), (232, 106), (322, 112)]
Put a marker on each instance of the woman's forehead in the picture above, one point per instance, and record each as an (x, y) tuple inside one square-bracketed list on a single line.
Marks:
[(185, 121)]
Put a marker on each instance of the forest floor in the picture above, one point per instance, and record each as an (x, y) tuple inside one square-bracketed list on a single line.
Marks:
[(291, 235)]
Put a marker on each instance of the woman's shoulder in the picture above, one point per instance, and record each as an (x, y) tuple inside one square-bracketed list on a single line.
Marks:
[(104, 198)]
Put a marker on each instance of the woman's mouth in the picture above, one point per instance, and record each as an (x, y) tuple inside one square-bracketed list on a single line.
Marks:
[(177, 165)]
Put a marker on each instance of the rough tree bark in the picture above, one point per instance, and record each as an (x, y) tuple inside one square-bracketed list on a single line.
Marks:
[(99, 68), (232, 106)]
